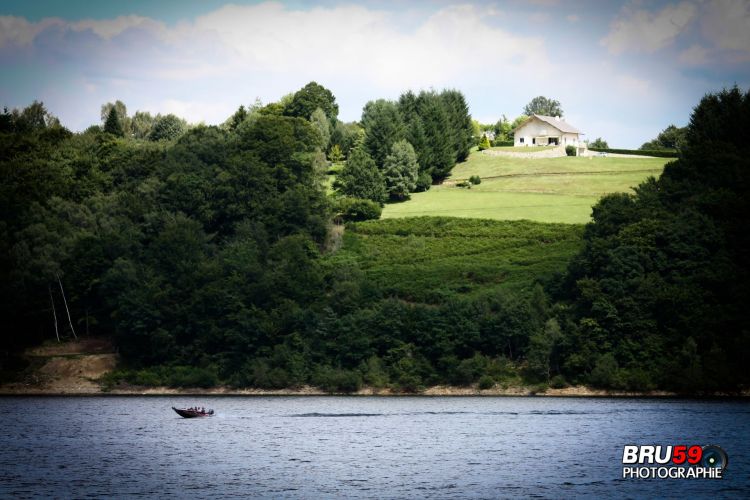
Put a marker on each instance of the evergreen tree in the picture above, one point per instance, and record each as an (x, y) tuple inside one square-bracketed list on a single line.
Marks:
[(361, 177), (383, 127), (113, 124), (401, 170), (459, 120)]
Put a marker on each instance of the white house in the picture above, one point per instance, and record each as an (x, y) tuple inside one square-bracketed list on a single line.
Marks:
[(540, 130)]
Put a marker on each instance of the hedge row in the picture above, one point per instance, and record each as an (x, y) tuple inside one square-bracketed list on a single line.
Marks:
[(664, 153)]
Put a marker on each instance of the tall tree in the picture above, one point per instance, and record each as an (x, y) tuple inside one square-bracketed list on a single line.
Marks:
[(322, 125), (113, 124), (311, 97), (460, 122), (401, 170), (361, 177), (441, 155), (122, 112), (383, 127), (541, 105)]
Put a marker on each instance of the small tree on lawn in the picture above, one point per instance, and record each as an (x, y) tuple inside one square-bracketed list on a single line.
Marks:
[(484, 143)]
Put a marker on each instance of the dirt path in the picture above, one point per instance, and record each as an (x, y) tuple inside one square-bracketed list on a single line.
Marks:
[(65, 368)]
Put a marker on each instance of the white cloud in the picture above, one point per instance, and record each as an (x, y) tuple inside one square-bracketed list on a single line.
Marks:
[(109, 28), (726, 23), (18, 31), (694, 55), (204, 68), (642, 30)]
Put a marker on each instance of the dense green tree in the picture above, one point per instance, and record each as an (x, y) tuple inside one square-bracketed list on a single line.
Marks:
[(401, 170), (113, 124), (484, 143), (459, 121), (361, 178), (670, 262), (122, 114), (383, 127), (167, 128), (541, 105), (670, 138), (309, 98)]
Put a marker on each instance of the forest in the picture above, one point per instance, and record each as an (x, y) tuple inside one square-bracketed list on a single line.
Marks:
[(209, 254)]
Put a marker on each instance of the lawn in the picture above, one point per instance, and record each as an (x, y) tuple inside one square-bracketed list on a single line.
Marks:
[(544, 189)]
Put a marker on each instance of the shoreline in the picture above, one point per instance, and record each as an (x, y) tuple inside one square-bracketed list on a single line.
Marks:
[(94, 390)]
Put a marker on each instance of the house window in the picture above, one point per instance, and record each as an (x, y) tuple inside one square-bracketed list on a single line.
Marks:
[(533, 141), (521, 140)]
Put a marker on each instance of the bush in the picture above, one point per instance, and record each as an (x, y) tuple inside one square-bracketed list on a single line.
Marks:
[(570, 150), (475, 179), (424, 181), (484, 143), (463, 184), (502, 144), (358, 209), (486, 382), (558, 382), (666, 153)]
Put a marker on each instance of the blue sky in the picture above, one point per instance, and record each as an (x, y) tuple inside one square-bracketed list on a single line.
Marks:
[(622, 71)]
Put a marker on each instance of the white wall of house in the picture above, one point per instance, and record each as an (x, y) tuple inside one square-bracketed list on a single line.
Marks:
[(525, 134)]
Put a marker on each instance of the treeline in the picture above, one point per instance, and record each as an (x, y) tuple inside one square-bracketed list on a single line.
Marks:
[(200, 252), (206, 257), (658, 296), (407, 145)]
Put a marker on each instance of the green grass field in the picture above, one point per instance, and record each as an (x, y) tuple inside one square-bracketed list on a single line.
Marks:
[(430, 259), (544, 189)]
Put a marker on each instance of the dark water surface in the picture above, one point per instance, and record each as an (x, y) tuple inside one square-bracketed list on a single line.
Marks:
[(323, 447)]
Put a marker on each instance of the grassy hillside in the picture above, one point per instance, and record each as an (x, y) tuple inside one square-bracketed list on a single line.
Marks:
[(544, 190), (429, 259)]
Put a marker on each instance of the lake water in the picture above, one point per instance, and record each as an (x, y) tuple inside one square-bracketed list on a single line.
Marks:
[(323, 447)]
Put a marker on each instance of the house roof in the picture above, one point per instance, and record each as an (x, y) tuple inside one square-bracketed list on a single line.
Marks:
[(558, 123)]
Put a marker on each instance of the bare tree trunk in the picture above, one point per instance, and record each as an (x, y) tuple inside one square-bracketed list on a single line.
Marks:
[(70, 322), (54, 314)]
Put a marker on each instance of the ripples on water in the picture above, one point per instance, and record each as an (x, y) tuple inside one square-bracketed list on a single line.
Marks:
[(315, 447)]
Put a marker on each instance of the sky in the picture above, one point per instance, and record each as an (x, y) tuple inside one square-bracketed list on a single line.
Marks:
[(621, 70)]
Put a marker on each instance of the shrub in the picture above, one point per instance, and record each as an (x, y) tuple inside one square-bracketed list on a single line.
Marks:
[(558, 382), (666, 153), (475, 179), (424, 181), (570, 150), (484, 143), (463, 184), (486, 382), (502, 144), (358, 209)]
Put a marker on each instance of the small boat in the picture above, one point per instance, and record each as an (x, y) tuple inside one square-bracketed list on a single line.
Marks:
[(193, 412)]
